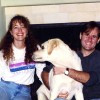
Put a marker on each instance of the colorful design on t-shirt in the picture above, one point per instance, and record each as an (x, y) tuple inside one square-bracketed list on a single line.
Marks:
[(21, 66)]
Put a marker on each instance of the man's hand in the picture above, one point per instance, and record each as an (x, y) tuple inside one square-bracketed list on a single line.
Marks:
[(63, 95), (58, 70)]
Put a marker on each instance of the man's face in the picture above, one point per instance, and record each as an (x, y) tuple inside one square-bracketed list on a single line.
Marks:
[(89, 39)]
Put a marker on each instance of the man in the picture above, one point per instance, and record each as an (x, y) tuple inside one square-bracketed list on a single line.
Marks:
[(90, 76)]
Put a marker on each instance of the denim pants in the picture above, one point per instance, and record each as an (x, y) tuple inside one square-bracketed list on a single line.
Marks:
[(96, 99), (13, 91)]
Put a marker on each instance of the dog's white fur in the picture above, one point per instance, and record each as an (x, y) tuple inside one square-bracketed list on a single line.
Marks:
[(60, 55)]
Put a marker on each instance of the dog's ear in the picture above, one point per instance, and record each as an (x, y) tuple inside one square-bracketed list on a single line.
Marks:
[(52, 44)]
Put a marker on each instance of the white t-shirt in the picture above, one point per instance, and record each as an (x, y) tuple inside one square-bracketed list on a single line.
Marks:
[(17, 71)]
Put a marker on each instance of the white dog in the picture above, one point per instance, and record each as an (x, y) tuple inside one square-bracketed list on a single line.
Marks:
[(60, 55)]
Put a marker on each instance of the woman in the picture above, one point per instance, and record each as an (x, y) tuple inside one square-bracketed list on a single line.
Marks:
[(16, 63)]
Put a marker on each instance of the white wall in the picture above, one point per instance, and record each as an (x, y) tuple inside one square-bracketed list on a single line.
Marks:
[(41, 2), (2, 21), (62, 13)]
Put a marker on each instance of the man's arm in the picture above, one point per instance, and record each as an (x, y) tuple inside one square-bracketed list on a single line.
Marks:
[(45, 74), (80, 76), (87, 78), (45, 78)]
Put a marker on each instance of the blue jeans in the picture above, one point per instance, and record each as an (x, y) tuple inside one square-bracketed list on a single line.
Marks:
[(96, 99), (13, 91)]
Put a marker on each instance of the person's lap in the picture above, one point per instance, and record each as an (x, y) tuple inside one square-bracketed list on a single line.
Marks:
[(3, 94), (12, 91), (22, 98)]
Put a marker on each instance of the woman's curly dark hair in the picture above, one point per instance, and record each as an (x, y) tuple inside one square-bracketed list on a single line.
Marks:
[(30, 42)]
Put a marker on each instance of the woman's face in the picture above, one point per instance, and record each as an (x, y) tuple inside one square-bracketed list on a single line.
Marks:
[(19, 31)]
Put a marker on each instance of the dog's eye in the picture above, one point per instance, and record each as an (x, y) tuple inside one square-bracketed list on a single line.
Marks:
[(42, 47)]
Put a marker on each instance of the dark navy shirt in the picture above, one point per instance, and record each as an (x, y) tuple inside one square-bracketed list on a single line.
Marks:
[(90, 64)]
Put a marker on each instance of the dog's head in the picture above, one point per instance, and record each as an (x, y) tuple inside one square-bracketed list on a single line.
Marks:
[(54, 51)]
